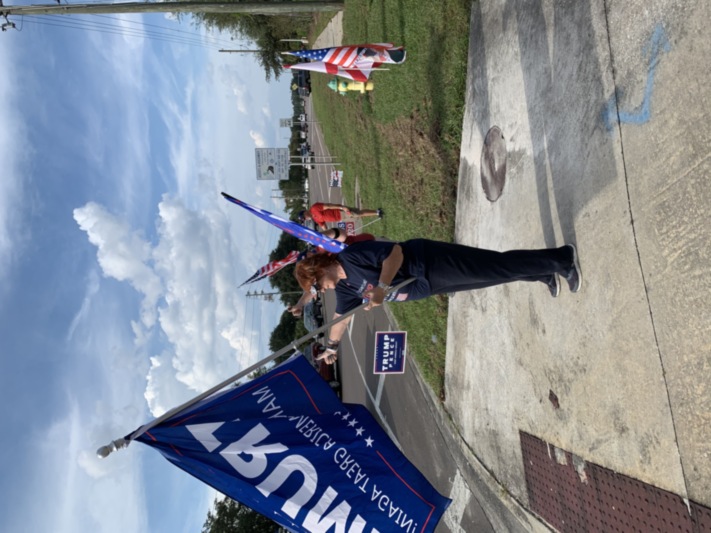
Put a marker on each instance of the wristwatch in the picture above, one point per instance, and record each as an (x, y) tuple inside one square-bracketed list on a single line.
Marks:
[(384, 286)]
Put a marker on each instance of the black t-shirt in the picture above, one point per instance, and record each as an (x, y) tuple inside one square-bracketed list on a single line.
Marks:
[(363, 262)]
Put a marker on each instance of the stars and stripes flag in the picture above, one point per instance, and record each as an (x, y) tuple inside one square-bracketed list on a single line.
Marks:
[(344, 56), (292, 228), (354, 55), (354, 62), (273, 267), (286, 446)]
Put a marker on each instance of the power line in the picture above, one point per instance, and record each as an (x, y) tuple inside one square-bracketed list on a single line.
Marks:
[(212, 39), (110, 29)]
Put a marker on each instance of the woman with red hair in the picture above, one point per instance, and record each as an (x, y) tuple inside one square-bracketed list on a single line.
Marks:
[(365, 271)]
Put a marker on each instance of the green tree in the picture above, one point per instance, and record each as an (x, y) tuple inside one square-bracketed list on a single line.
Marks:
[(284, 333), (233, 517)]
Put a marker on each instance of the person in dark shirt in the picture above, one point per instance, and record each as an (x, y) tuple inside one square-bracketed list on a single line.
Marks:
[(366, 271), (340, 236)]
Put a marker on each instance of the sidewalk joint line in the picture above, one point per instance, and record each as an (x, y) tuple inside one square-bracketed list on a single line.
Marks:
[(636, 246)]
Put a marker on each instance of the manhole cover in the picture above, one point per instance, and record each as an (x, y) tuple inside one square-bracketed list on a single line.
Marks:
[(493, 164)]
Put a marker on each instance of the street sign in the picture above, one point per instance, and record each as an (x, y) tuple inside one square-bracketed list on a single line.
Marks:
[(272, 163), (336, 178), (349, 227)]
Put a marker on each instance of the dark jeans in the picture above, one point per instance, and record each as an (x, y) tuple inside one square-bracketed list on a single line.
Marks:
[(450, 267)]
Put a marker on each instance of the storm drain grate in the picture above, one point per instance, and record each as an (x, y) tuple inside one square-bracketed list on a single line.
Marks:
[(578, 497)]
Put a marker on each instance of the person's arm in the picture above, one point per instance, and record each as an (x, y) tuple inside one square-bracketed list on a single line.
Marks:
[(330, 354), (388, 271), (335, 233), (298, 308)]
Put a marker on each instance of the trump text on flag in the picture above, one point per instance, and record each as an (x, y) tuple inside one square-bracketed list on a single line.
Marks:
[(286, 446)]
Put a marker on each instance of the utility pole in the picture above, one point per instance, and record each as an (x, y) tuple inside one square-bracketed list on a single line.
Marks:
[(239, 51), (246, 8), (269, 296)]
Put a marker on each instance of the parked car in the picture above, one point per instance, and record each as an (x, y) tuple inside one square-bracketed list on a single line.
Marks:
[(306, 151), (303, 79), (307, 162)]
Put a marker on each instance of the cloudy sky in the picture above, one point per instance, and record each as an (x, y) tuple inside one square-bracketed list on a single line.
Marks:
[(119, 260)]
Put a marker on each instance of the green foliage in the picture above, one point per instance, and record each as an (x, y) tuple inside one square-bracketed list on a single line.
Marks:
[(233, 517), (259, 372), (402, 140), (284, 333)]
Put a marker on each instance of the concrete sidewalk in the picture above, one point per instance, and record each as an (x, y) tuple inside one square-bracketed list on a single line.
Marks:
[(605, 108)]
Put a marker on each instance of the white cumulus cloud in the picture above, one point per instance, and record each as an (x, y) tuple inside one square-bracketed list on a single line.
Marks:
[(187, 280), (122, 254), (258, 139)]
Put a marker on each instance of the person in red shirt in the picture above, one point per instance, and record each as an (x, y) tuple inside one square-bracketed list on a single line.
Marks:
[(322, 213)]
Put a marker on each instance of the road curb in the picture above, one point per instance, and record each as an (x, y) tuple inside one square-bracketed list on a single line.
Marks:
[(504, 512)]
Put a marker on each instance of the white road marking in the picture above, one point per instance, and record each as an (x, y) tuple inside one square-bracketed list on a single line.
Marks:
[(459, 495), (379, 393), (376, 406)]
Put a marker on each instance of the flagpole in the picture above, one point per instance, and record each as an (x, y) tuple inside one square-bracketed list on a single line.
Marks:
[(105, 451), (369, 223)]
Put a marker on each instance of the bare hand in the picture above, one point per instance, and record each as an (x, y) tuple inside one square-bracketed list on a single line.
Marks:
[(329, 355), (295, 310), (376, 297)]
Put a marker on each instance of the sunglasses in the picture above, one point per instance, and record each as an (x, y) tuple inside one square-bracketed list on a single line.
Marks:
[(315, 288)]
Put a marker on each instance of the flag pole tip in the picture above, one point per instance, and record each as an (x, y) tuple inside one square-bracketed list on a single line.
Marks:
[(105, 451)]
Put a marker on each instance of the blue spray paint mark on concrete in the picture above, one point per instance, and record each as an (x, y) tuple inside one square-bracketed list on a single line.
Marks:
[(657, 44)]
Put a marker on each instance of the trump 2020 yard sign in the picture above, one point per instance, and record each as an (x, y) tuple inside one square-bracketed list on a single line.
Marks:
[(390, 352)]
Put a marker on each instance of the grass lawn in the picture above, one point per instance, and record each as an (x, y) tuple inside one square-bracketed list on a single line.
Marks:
[(399, 145)]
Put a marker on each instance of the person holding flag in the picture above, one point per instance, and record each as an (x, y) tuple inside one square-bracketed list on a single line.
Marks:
[(321, 213), (336, 234), (366, 271)]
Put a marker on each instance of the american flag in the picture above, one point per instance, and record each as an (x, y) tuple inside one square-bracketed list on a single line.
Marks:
[(359, 55), (355, 74), (343, 56), (297, 230), (272, 268), (354, 62)]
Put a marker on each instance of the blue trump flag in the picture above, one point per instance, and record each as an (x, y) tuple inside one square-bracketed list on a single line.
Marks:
[(286, 446), (297, 230)]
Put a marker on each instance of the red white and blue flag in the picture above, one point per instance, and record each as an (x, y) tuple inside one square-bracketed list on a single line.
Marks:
[(273, 267), (292, 228), (344, 56), (354, 55), (286, 446), (354, 62)]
